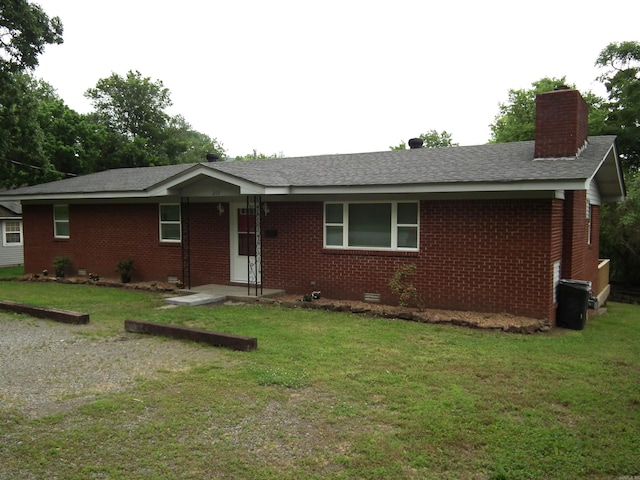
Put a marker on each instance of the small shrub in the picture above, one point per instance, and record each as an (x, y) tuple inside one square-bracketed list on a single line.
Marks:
[(401, 285), (125, 269), (60, 265)]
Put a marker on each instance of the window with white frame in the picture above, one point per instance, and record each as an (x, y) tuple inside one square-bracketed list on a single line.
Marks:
[(61, 221), (371, 225), (170, 225), (12, 233)]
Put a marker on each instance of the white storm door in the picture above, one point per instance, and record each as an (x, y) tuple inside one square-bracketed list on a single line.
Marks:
[(243, 244)]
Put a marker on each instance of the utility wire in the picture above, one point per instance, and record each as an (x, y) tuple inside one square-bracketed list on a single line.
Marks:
[(35, 167)]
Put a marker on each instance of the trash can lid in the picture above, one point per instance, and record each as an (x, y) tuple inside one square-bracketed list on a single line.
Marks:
[(579, 284)]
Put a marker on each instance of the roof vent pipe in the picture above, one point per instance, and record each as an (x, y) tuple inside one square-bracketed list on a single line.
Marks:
[(212, 157), (415, 143)]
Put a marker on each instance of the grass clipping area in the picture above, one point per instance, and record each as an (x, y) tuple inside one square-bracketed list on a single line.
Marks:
[(331, 395)]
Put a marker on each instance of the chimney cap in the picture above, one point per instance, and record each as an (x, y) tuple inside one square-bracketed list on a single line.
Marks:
[(212, 157), (415, 143), (561, 87)]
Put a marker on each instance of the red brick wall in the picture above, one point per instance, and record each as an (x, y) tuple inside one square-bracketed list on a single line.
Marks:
[(99, 237), (209, 244), (474, 255), (490, 255), (561, 123), (580, 258), (102, 235)]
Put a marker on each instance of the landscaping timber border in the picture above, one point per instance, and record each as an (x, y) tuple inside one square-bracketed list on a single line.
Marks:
[(228, 340), (64, 316)]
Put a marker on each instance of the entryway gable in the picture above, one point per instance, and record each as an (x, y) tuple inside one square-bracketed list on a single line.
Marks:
[(202, 181)]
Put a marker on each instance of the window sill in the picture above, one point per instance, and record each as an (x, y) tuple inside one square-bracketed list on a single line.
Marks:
[(170, 244), (369, 253)]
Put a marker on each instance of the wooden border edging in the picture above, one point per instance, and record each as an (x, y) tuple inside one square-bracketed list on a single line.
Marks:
[(235, 342), (64, 316)]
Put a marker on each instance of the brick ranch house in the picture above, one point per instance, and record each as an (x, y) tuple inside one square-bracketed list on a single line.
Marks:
[(490, 228)]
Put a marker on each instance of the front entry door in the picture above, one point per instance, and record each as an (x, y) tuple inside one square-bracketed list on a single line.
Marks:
[(243, 244)]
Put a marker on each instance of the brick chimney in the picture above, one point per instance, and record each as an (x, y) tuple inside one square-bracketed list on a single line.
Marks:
[(561, 123)]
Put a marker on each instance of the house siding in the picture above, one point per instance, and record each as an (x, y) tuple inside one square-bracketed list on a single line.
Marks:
[(10, 254), (489, 255)]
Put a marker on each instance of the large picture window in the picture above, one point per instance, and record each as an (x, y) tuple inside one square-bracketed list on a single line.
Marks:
[(12, 233), (170, 226), (61, 221), (370, 225)]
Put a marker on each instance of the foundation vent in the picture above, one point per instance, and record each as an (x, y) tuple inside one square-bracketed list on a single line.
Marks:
[(372, 297)]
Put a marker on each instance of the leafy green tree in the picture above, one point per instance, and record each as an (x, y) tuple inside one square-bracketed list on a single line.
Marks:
[(186, 145), (516, 119), (133, 106), (431, 139), (620, 233), (22, 154), (72, 142), (141, 133), (25, 29), (620, 63), (257, 156)]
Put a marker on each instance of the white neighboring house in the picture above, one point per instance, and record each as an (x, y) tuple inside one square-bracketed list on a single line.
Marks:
[(11, 245)]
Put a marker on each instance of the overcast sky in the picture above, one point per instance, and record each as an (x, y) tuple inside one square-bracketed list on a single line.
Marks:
[(310, 77)]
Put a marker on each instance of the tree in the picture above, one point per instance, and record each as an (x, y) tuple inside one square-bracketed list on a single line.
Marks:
[(431, 139), (620, 233), (258, 156), (621, 222), (25, 29), (133, 106), (516, 120), (621, 76), (186, 145), (72, 142), (22, 155), (141, 132)]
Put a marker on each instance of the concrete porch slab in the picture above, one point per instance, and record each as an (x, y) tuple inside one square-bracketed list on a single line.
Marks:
[(195, 299), (204, 294)]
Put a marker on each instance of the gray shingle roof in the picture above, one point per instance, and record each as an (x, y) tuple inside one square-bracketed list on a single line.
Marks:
[(491, 163), (505, 162)]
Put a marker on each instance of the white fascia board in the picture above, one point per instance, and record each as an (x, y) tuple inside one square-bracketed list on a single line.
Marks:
[(578, 184), (62, 197), (610, 161), (164, 188)]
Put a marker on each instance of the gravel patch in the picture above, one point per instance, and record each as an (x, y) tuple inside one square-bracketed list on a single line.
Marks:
[(48, 367)]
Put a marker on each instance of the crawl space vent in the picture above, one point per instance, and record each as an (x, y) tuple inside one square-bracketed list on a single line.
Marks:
[(372, 297)]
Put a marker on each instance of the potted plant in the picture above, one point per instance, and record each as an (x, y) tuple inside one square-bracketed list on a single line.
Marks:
[(125, 269), (60, 265)]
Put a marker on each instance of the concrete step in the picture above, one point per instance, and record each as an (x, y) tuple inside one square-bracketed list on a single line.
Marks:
[(196, 299)]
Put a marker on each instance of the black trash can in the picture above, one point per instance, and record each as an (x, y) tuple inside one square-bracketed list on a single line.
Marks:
[(573, 301)]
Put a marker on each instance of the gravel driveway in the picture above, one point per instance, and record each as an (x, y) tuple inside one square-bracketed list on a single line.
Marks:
[(48, 367)]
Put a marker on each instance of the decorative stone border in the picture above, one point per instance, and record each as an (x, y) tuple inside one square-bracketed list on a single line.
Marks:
[(529, 327)]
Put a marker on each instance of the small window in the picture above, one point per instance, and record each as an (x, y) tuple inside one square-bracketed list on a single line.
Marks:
[(12, 233), (370, 225), (61, 221), (170, 226)]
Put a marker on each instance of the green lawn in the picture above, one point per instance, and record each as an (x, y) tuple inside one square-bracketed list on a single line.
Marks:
[(11, 272), (337, 396)]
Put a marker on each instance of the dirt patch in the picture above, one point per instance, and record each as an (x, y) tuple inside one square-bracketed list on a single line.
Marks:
[(498, 321)]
